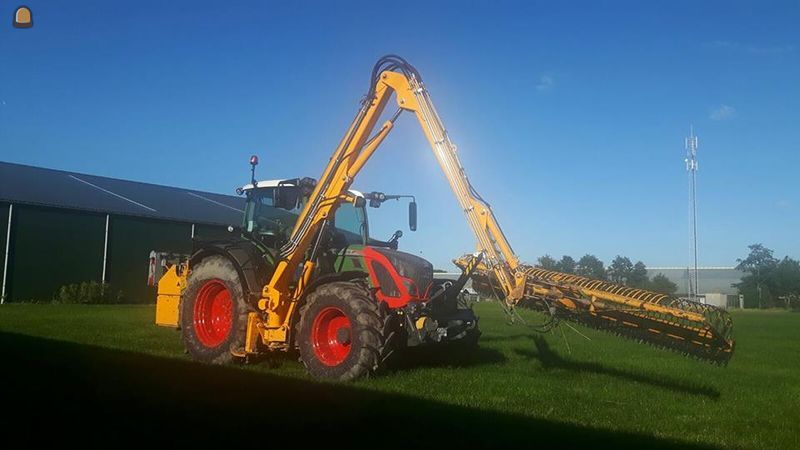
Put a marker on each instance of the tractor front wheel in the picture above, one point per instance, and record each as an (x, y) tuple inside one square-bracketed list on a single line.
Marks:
[(342, 331), (214, 311)]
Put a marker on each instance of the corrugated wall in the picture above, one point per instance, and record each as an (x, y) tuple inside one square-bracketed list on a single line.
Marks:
[(51, 248), (211, 233), (3, 228), (130, 242)]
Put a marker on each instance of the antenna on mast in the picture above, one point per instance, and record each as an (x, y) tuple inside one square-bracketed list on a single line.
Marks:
[(691, 167)]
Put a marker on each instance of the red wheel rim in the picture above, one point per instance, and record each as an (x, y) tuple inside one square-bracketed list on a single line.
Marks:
[(331, 336), (213, 313)]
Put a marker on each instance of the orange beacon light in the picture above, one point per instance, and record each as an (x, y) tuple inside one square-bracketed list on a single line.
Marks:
[(23, 17)]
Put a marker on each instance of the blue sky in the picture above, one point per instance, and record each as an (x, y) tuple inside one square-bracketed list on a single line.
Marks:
[(569, 116)]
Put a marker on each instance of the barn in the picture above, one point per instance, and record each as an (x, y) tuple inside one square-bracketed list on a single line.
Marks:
[(61, 228)]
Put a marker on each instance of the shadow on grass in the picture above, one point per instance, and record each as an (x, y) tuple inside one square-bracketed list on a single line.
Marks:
[(552, 360), (506, 338), (58, 391), (444, 356)]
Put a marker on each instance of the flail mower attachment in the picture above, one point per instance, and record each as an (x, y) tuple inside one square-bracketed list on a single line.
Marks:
[(690, 328)]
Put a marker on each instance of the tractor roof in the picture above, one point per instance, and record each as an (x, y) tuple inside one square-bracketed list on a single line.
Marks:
[(288, 182)]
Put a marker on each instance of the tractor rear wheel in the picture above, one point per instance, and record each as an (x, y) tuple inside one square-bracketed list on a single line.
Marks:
[(342, 331), (214, 311)]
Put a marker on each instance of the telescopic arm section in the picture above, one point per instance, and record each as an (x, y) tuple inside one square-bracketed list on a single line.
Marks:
[(491, 242)]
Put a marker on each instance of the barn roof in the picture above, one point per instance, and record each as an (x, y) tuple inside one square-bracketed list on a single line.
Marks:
[(21, 184)]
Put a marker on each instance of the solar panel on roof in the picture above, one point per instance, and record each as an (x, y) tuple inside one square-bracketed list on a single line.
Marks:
[(22, 184)]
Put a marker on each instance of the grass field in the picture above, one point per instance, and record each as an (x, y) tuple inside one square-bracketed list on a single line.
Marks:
[(109, 369)]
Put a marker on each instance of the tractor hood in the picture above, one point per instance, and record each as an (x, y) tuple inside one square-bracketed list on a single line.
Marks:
[(401, 277)]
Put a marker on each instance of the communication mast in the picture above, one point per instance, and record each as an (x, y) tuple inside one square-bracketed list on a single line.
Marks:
[(691, 167)]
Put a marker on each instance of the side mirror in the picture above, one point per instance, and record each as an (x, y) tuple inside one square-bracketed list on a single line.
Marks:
[(412, 216)]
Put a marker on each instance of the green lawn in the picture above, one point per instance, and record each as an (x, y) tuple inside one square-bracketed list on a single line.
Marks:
[(520, 387)]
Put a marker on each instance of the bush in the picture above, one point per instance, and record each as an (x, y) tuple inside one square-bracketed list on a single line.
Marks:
[(87, 293)]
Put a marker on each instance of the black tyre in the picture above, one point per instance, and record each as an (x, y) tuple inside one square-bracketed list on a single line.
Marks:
[(463, 330), (472, 332), (469, 341), (342, 331), (214, 311)]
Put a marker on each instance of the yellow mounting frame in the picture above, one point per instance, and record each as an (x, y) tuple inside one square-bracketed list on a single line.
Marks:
[(168, 302)]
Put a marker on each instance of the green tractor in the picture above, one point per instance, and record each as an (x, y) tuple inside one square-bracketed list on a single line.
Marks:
[(359, 283)]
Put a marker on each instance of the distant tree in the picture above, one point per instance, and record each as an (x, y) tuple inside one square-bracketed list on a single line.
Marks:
[(759, 283), (786, 279), (567, 264), (620, 270), (660, 283), (548, 262), (638, 277), (591, 267), (759, 257)]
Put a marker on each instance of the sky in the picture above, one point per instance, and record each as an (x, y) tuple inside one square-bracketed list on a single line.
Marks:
[(569, 117)]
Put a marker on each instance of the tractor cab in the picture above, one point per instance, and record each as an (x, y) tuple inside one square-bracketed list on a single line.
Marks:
[(273, 207)]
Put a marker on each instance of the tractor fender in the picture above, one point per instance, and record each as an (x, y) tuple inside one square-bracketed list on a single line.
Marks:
[(248, 260), (348, 275)]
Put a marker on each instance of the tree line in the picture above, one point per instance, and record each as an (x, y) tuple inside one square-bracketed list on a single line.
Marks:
[(769, 282), (620, 271)]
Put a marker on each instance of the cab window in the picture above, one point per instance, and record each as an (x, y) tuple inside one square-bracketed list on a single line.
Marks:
[(263, 216), (351, 222)]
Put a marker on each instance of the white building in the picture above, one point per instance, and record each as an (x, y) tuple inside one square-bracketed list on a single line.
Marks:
[(715, 284)]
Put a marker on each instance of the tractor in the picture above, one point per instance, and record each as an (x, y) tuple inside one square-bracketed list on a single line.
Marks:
[(366, 299)]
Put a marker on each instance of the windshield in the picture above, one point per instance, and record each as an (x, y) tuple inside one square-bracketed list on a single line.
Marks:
[(263, 217)]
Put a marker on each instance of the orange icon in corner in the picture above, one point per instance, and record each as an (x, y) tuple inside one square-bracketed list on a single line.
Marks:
[(23, 17)]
